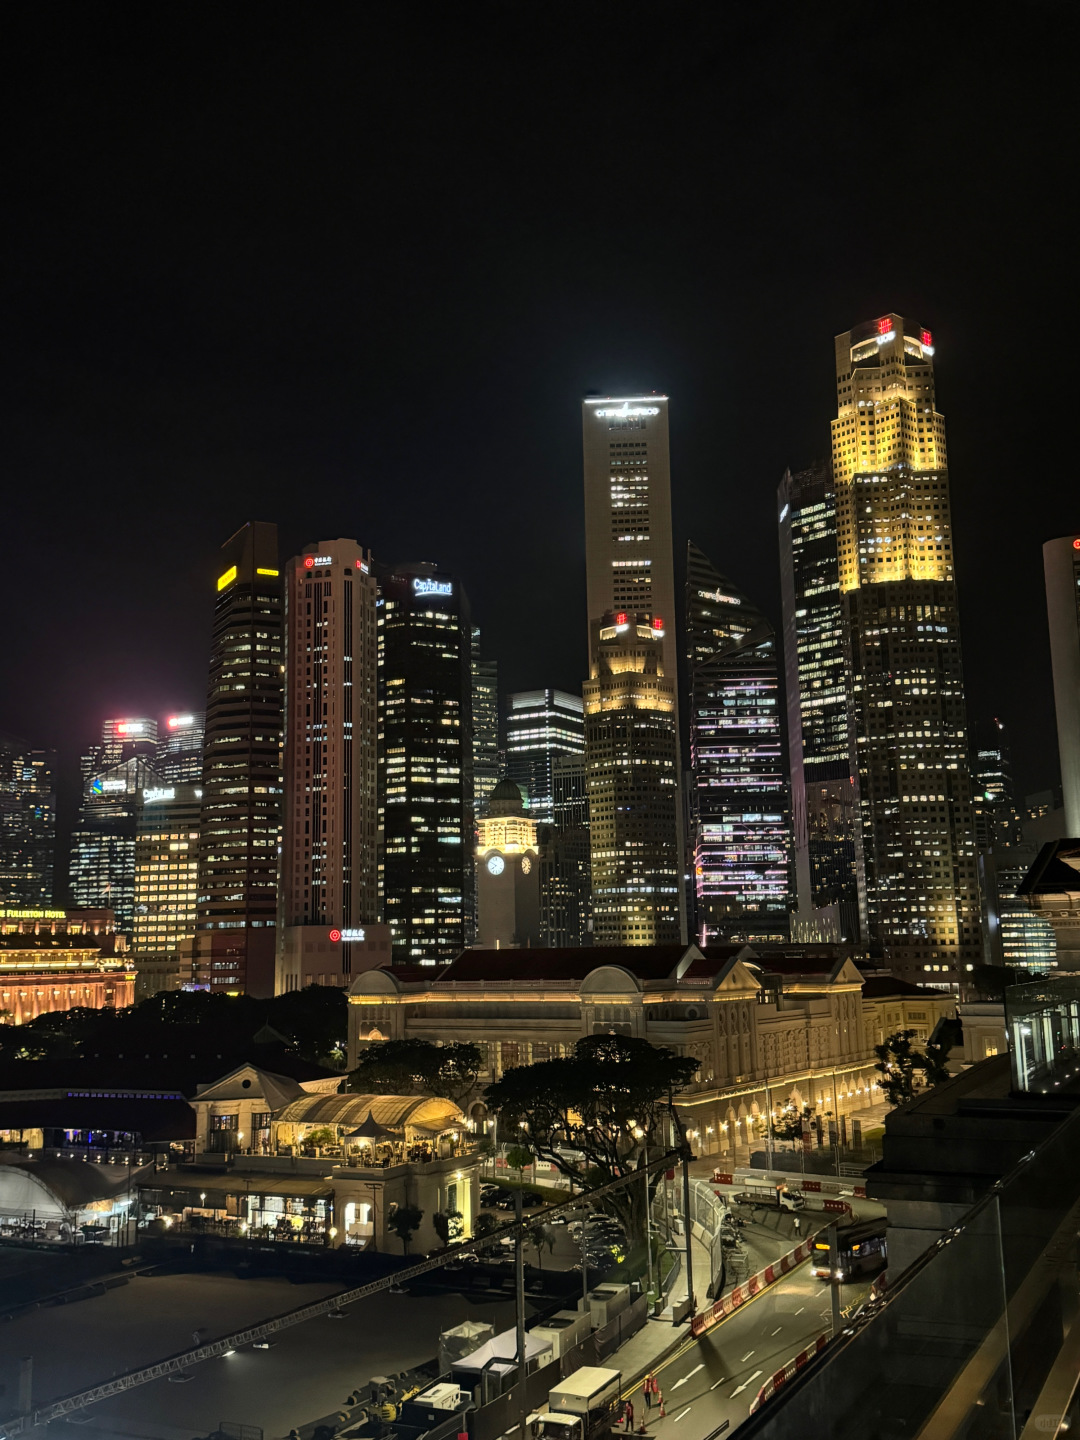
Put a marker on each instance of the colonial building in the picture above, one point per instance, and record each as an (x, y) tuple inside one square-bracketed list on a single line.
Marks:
[(766, 1027), (59, 959), (293, 1161)]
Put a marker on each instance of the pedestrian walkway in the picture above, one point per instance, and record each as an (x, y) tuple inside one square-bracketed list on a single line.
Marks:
[(659, 1338)]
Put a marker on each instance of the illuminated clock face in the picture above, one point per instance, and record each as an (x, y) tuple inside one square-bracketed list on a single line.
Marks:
[(496, 864), (526, 864)]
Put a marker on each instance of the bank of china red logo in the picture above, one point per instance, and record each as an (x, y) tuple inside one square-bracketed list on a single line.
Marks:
[(335, 935)]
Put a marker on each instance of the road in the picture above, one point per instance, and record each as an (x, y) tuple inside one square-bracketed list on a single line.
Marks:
[(716, 1378), (308, 1371)]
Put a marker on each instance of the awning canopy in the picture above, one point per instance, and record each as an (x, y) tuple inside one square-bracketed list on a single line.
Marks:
[(392, 1111)]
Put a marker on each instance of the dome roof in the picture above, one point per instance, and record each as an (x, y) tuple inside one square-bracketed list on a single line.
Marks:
[(506, 799)]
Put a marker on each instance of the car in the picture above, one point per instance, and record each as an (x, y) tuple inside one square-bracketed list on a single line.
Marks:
[(530, 1200)]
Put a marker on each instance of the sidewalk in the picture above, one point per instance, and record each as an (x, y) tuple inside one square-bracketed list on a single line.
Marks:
[(657, 1339)]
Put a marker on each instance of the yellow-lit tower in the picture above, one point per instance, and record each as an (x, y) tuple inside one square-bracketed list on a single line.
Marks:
[(919, 894)]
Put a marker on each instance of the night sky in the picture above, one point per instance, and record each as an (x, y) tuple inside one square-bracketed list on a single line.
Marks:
[(352, 268)]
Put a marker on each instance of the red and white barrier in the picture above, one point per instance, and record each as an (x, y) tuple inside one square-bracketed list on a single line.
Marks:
[(754, 1286), (781, 1377)]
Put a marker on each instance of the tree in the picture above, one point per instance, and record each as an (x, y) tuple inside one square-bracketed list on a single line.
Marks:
[(519, 1157), (899, 1061), (991, 981), (788, 1125), (443, 1224), (606, 1101), (404, 1222), (484, 1225), (539, 1236), (418, 1067)]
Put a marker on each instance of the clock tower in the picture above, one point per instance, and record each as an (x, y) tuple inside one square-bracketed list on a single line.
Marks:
[(507, 873)]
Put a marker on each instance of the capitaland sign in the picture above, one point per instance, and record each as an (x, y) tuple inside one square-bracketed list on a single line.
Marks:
[(152, 796), (628, 412), (432, 587)]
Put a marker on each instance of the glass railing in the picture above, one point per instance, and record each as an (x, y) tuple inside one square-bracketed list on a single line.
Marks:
[(977, 1340), (1043, 1023)]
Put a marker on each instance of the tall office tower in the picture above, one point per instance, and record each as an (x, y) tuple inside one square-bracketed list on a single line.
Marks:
[(1061, 564), (485, 717), (742, 844), (997, 819), (823, 769), (166, 883), (330, 859), (629, 564), (27, 824), (541, 724), (632, 771), (426, 730), (903, 629), (180, 749), (102, 866), (128, 738), (240, 827), (565, 865)]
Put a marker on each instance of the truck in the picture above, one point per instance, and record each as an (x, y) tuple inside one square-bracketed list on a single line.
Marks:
[(774, 1195), (584, 1406)]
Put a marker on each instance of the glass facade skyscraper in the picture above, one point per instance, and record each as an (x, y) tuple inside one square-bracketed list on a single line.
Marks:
[(823, 771), (180, 748), (485, 718), (240, 828), (541, 724), (102, 867), (739, 808), (898, 589), (426, 757), (27, 824), (631, 766)]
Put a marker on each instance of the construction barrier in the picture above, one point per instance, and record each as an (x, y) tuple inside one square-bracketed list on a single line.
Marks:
[(749, 1288), (790, 1370)]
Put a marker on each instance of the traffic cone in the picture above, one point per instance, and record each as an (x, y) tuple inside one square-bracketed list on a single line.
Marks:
[(660, 1397)]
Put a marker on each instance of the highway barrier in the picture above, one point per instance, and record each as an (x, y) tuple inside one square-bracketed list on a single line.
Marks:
[(749, 1288), (780, 1377)]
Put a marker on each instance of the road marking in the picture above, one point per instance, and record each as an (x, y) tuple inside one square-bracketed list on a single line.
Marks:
[(689, 1376), (684, 1412), (800, 1310), (740, 1388), (719, 1382), (746, 1357), (778, 1329)]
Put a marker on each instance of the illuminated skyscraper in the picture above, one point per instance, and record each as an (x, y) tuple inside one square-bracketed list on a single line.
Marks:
[(900, 611), (1061, 563), (166, 884), (485, 719), (330, 857), (426, 738), (27, 824), (629, 564), (240, 829), (630, 569), (180, 748), (823, 772), (541, 724), (565, 868), (102, 868), (742, 847), (631, 758)]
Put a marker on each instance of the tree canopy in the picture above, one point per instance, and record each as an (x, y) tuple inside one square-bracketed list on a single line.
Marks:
[(418, 1067), (605, 1101), (314, 1022), (899, 1061)]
